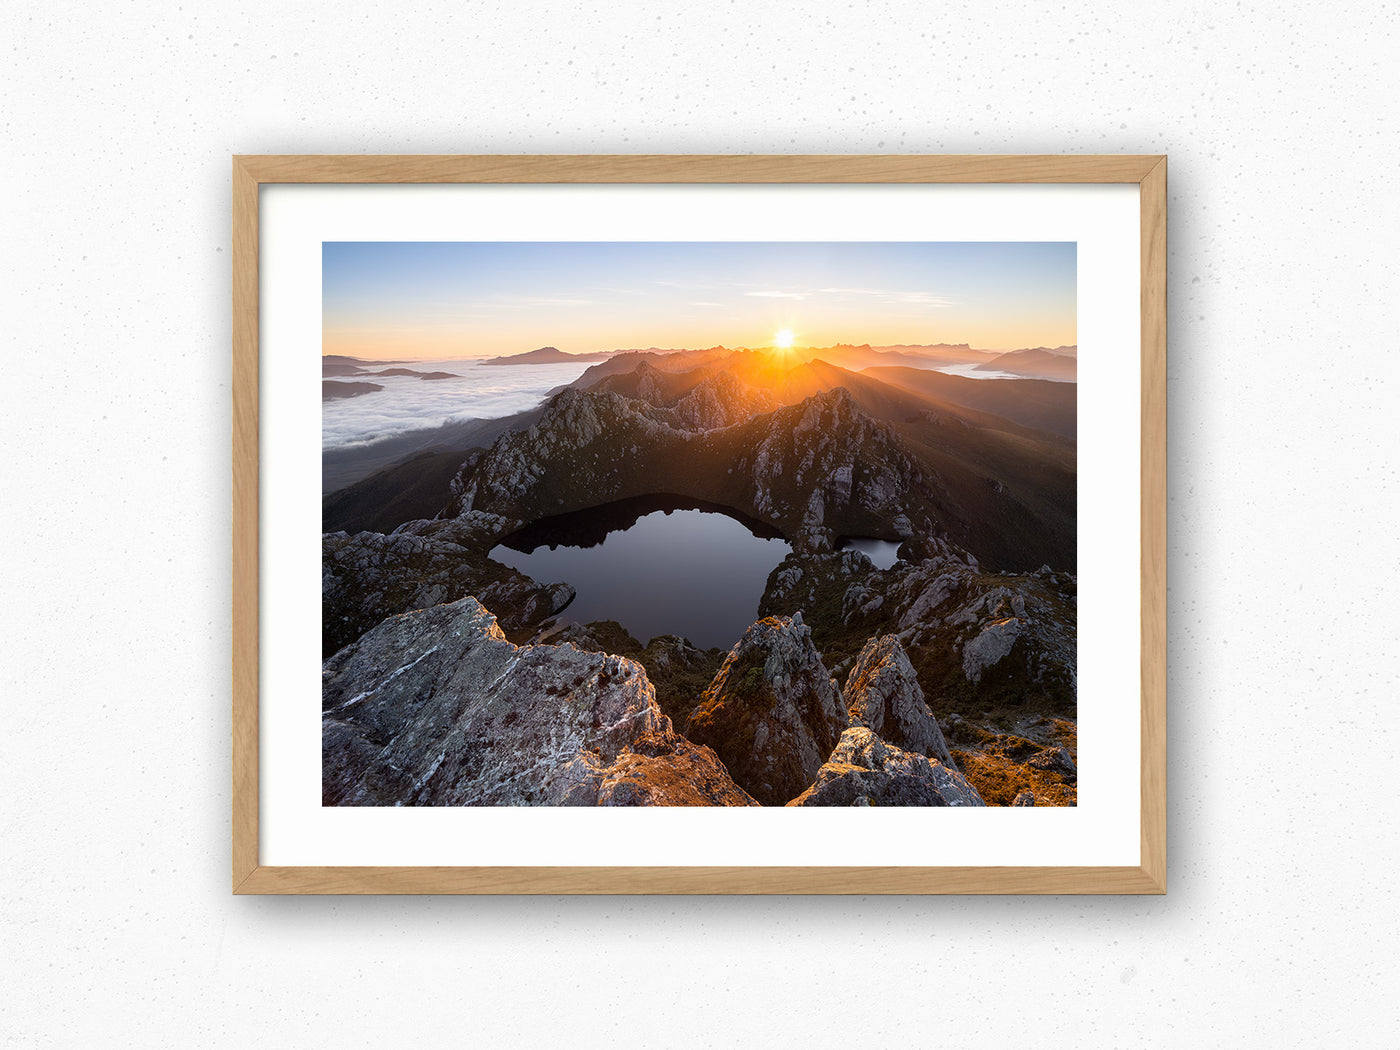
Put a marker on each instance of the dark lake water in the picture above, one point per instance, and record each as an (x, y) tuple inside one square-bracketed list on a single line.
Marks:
[(656, 565), (882, 552)]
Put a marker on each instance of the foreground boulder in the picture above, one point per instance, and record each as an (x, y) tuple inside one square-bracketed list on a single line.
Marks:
[(866, 771), (772, 713), (883, 694), (437, 708)]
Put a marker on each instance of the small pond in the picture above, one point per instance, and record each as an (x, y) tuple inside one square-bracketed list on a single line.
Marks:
[(882, 552)]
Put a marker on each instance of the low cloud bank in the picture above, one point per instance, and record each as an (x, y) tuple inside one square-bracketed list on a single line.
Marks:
[(408, 403)]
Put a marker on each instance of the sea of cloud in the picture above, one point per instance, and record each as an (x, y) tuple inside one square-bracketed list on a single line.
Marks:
[(408, 403)]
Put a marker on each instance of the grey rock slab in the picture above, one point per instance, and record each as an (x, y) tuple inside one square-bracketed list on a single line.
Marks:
[(438, 708)]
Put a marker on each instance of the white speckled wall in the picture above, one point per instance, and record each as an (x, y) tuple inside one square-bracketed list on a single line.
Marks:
[(1280, 927)]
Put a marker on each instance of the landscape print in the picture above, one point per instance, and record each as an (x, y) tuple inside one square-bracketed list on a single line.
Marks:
[(699, 524)]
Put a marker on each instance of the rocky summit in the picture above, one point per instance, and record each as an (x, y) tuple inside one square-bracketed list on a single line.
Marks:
[(438, 708), (773, 712), (883, 695), (864, 770)]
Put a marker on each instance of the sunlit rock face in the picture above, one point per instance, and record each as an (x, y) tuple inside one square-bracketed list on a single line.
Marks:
[(864, 770), (705, 399), (772, 713), (883, 695), (437, 708), (718, 401)]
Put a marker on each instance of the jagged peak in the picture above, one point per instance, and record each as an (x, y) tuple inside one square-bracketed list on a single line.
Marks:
[(883, 694), (833, 408), (836, 397), (836, 400), (571, 398), (772, 712)]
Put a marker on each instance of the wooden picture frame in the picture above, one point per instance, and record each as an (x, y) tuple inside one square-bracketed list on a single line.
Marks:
[(251, 173)]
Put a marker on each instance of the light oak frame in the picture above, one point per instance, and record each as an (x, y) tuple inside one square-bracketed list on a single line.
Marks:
[(250, 172)]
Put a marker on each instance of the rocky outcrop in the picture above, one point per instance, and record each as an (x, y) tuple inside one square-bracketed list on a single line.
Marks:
[(987, 618), (666, 769), (993, 643), (575, 456), (883, 695), (720, 400), (824, 466), (772, 713), (971, 635), (368, 576), (864, 770), (703, 398), (812, 469), (1054, 760), (437, 708), (678, 671)]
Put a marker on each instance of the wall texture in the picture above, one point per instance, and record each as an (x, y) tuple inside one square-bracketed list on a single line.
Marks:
[(116, 127)]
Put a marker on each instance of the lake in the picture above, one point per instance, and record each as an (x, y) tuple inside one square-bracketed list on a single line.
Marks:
[(883, 553), (656, 565)]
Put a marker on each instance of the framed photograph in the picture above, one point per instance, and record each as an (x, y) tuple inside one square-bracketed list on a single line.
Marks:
[(699, 524)]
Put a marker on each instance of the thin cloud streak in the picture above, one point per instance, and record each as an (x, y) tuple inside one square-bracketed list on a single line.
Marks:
[(889, 295)]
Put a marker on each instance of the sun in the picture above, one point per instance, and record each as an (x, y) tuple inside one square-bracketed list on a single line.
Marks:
[(783, 338)]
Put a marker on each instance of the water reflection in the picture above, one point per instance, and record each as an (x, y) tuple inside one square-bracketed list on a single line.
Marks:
[(882, 552), (657, 565)]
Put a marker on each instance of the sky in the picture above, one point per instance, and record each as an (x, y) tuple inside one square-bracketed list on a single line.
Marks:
[(423, 300)]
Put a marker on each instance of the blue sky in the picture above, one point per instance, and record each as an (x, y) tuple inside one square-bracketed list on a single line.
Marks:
[(466, 299)]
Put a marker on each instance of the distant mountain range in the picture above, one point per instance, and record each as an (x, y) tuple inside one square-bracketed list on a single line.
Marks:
[(1033, 362), (1037, 363), (338, 365), (546, 355)]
